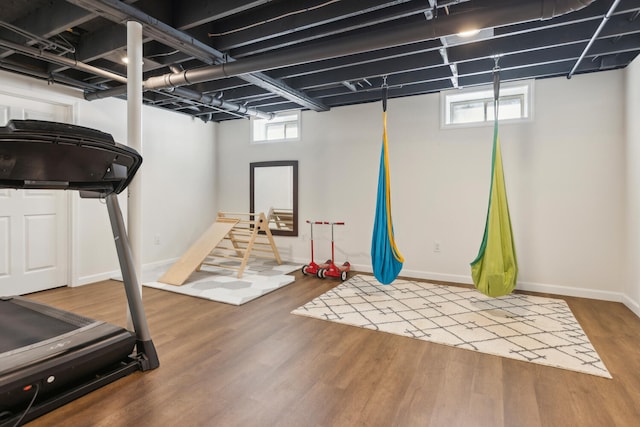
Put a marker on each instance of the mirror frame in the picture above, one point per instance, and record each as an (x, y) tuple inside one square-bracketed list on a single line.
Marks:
[(279, 163)]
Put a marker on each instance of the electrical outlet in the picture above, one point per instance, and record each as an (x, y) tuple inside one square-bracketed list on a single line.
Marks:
[(436, 246)]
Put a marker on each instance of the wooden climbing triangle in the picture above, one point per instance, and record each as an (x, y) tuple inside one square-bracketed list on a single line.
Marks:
[(228, 243)]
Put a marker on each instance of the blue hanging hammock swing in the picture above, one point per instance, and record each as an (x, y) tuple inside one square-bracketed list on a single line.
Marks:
[(495, 269), (385, 256)]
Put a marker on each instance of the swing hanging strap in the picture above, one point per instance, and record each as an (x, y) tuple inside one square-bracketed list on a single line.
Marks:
[(496, 89), (385, 93), (496, 84), (495, 269)]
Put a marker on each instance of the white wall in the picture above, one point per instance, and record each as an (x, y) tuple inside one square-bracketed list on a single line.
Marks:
[(565, 172), (177, 179), (178, 175), (632, 290), (565, 175)]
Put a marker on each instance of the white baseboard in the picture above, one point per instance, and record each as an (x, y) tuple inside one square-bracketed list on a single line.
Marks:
[(418, 274), (117, 274), (525, 286), (632, 305), (570, 291), (93, 278), (429, 275), (153, 265)]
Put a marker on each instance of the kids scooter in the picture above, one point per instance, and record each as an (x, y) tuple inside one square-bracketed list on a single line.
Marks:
[(334, 271), (312, 268)]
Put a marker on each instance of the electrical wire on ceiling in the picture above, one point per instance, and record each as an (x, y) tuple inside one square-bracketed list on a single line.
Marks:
[(275, 18), (157, 55)]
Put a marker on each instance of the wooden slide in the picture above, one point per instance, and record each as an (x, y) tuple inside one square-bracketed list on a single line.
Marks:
[(232, 238)]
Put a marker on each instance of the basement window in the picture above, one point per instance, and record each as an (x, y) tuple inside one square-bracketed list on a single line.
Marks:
[(282, 127), (472, 107)]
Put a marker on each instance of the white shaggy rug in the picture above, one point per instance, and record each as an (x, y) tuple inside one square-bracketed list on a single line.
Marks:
[(260, 277), (523, 327)]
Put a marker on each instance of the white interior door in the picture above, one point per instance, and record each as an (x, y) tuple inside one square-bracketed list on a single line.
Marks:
[(33, 223)]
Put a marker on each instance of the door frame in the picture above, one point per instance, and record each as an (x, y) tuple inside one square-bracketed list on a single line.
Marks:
[(69, 198)]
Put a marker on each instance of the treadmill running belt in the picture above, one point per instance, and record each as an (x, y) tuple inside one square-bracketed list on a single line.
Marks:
[(25, 326)]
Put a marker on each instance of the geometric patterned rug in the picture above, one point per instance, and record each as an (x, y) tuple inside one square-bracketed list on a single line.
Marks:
[(260, 277), (523, 327)]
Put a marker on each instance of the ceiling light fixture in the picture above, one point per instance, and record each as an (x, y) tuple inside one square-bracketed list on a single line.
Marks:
[(465, 37), (468, 33)]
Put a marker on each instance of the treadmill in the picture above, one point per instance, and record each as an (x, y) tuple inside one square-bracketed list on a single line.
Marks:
[(49, 357)]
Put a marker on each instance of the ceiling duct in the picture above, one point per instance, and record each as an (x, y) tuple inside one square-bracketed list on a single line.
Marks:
[(506, 12)]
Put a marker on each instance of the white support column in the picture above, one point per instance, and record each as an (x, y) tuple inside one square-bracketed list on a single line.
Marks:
[(134, 139)]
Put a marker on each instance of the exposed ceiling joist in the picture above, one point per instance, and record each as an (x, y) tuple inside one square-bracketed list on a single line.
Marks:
[(268, 56), (120, 12)]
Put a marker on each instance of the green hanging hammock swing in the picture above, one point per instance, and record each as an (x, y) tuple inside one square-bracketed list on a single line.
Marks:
[(495, 269)]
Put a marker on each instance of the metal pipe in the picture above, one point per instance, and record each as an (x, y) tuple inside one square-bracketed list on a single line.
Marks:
[(49, 77), (134, 138), (107, 93), (594, 37), (61, 60), (192, 95), (207, 114), (505, 13), (219, 103), (117, 91), (46, 43), (118, 11)]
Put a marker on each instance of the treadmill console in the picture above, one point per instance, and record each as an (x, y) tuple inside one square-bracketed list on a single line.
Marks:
[(41, 154)]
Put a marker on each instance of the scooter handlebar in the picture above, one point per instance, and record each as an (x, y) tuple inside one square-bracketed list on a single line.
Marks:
[(325, 222)]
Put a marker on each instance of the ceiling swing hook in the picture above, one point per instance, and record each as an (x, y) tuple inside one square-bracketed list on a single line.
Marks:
[(385, 90), (496, 84)]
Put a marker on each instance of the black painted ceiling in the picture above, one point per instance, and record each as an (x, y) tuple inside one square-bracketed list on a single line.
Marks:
[(227, 59)]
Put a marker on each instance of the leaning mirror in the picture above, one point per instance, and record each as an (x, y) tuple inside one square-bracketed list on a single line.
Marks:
[(274, 191)]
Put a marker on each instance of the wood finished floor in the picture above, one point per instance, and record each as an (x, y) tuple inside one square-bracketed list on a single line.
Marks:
[(259, 365)]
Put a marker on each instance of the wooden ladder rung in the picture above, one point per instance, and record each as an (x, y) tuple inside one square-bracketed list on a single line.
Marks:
[(225, 256), (246, 221), (213, 264), (258, 255), (246, 232), (262, 243), (232, 249), (223, 219), (238, 240), (261, 249)]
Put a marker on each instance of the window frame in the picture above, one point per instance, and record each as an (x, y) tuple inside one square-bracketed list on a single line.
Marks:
[(275, 122), (521, 89)]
